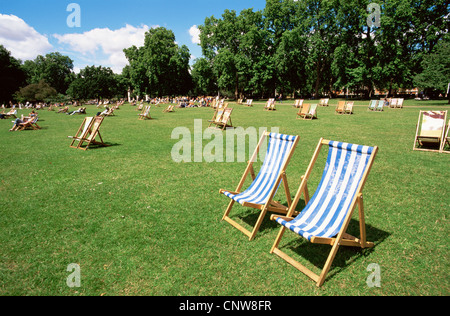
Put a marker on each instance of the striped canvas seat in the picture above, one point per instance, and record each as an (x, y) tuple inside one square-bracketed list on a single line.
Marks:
[(326, 216), (327, 209), (264, 186), (277, 152)]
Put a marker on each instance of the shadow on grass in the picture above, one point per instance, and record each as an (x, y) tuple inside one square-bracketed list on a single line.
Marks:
[(317, 254)]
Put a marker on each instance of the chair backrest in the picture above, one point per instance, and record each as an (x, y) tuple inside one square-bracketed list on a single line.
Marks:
[(343, 177), (312, 109), (305, 109), (277, 155), (433, 123), (340, 106), (226, 115), (373, 104), (349, 106), (95, 127), (380, 104), (87, 124)]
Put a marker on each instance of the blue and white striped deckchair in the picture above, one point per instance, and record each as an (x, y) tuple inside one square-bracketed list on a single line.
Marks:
[(326, 216), (260, 193)]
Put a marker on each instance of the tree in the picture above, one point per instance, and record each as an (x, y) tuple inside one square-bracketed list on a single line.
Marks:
[(203, 78), (436, 69), (36, 92), (54, 68), (94, 83), (12, 77), (160, 67)]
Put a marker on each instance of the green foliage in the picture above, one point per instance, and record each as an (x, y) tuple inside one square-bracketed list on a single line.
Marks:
[(315, 47), (94, 83), (54, 68), (36, 92), (160, 67), (12, 77)]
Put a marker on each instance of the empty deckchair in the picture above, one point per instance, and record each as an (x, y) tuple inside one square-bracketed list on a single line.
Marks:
[(393, 103), (298, 103), (326, 216), (349, 108), (446, 140), (88, 132), (145, 113), (430, 130), (169, 108), (380, 105), (217, 117), (261, 192), (225, 119), (399, 104), (340, 108), (372, 105), (324, 102), (312, 112), (303, 110), (249, 102)]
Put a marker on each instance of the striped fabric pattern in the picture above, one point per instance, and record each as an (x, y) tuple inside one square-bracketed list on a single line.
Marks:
[(277, 152), (326, 211)]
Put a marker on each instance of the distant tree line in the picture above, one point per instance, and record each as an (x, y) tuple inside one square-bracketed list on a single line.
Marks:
[(302, 48), (314, 47)]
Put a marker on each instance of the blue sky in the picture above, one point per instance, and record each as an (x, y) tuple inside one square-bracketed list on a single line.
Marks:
[(36, 27)]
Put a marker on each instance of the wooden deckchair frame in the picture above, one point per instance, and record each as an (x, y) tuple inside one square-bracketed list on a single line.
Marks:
[(340, 108), (429, 138), (298, 103), (218, 112), (225, 119), (270, 105), (372, 105), (145, 113), (446, 140), (349, 107), (270, 205), (169, 108), (88, 132), (312, 112), (31, 123), (342, 239), (303, 111)]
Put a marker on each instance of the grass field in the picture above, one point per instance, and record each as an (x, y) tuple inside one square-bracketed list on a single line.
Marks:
[(138, 223)]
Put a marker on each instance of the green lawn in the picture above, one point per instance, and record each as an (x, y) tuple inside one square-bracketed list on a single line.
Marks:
[(138, 223)]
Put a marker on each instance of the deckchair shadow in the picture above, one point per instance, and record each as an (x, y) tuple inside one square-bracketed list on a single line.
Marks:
[(260, 194), (327, 215)]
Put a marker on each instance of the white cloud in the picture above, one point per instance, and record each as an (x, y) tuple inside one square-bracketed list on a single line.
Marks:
[(22, 40), (195, 34), (102, 46)]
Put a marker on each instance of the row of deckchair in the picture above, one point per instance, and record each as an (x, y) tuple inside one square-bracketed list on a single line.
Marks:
[(396, 103), (431, 132), (307, 111), (344, 107), (376, 105), (327, 214)]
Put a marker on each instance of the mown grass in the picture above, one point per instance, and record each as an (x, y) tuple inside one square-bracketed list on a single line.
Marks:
[(139, 223)]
